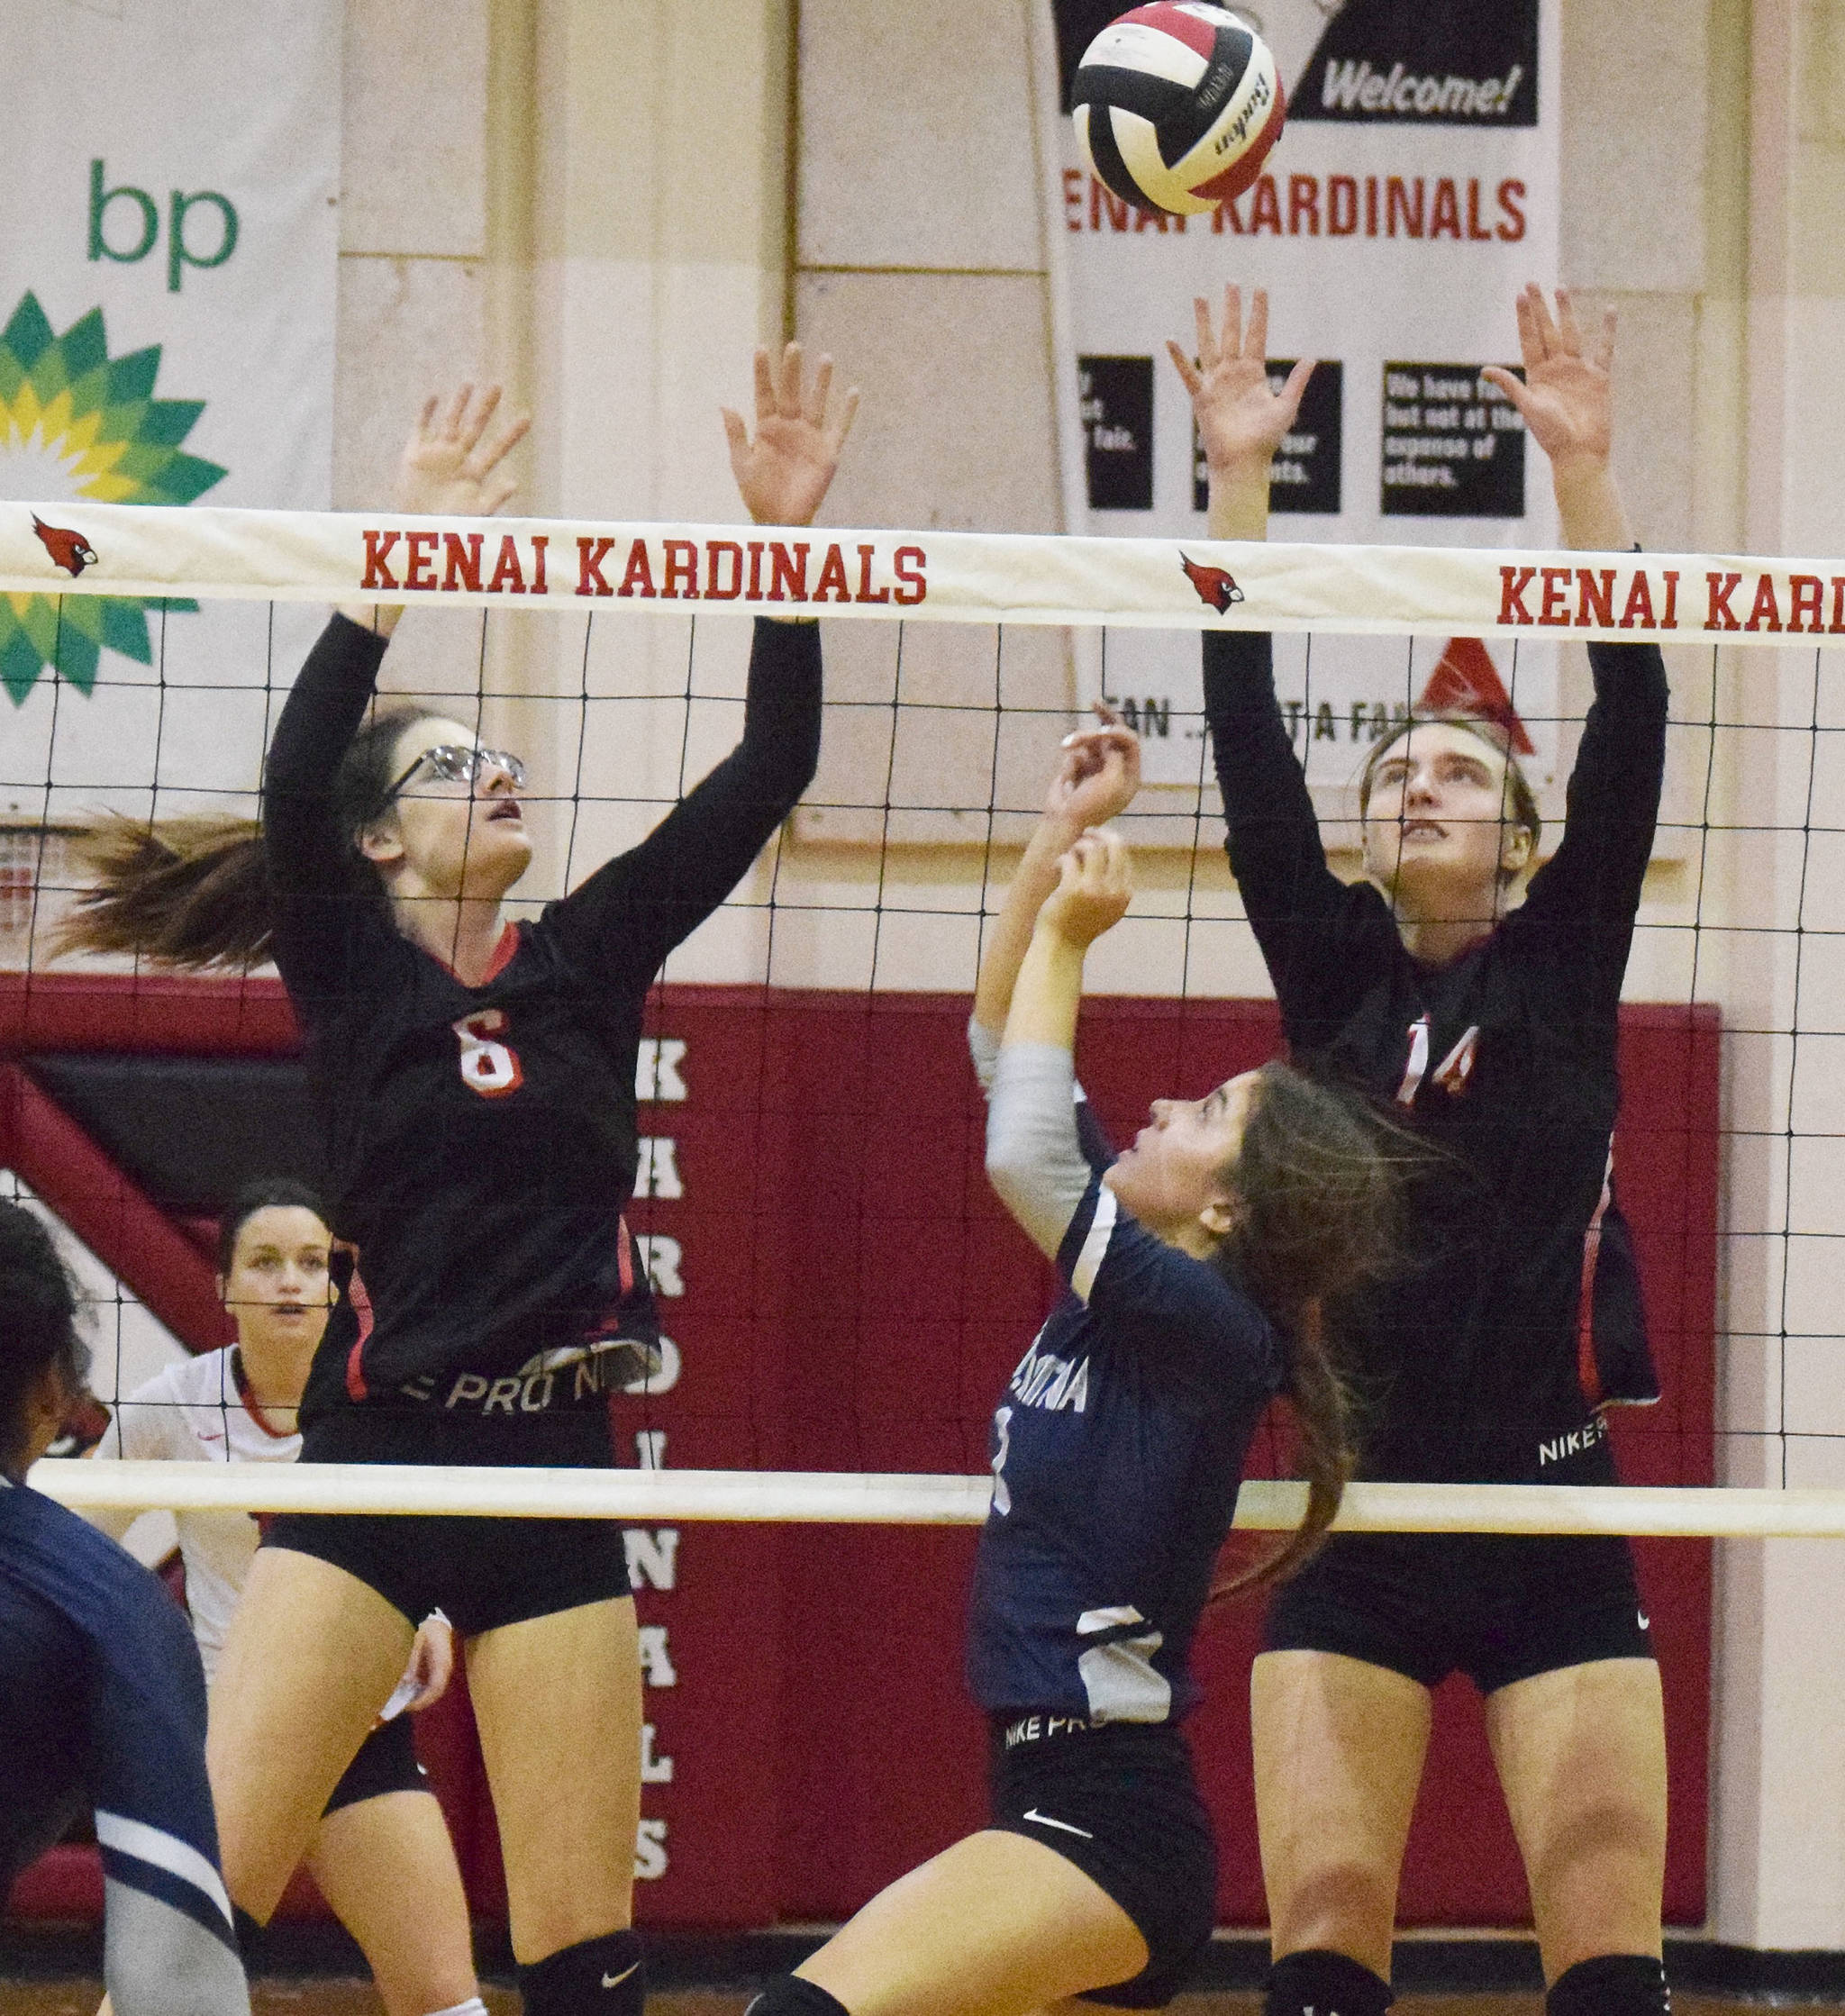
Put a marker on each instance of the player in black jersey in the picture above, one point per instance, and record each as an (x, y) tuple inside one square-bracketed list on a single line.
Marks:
[(101, 1697), (1490, 1025), (1194, 1264), (475, 1085)]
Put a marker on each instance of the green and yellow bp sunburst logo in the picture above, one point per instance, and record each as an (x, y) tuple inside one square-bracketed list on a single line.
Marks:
[(76, 423)]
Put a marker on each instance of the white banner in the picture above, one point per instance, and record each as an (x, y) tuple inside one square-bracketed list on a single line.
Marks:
[(169, 180), (1413, 191), (1527, 598)]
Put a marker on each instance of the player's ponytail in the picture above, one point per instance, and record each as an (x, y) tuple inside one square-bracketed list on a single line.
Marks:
[(188, 893), (38, 1326), (1316, 1177), (194, 892)]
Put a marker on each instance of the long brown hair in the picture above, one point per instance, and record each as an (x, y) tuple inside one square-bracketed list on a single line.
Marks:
[(1518, 801), (1316, 1179), (194, 892)]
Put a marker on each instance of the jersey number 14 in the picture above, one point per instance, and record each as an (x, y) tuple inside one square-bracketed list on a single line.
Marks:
[(488, 1067)]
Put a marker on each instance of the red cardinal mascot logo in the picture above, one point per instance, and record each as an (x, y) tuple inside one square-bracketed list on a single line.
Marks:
[(70, 551), (1466, 680), (1216, 589)]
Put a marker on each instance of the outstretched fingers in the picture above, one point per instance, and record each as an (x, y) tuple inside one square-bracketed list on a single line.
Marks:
[(814, 405), (474, 419), (1205, 339), (1189, 376), (788, 392), (1256, 336), (765, 387), (848, 412)]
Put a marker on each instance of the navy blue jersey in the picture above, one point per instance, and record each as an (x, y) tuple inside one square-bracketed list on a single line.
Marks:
[(1517, 1309), (481, 1142), (1117, 1453), (103, 1704)]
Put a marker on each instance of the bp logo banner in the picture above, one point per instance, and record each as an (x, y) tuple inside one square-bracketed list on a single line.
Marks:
[(169, 180), (1413, 191)]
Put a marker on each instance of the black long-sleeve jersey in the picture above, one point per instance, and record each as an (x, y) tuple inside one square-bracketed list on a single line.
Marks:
[(480, 1142), (1477, 1357)]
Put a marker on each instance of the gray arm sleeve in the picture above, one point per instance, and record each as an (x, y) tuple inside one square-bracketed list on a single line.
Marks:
[(1033, 1158)]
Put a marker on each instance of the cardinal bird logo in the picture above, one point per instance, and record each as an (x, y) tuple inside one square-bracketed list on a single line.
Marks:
[(1466, 680), (1216, 589), (70, 551)]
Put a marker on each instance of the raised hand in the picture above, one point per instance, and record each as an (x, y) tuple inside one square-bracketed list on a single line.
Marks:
[(1568, 396), (1240, 421), (1093, 889), (1099, 775), (451, 466), (784, 472)]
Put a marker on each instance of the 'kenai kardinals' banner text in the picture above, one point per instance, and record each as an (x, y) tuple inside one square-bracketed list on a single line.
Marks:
[(1413, 191), (170, 237)]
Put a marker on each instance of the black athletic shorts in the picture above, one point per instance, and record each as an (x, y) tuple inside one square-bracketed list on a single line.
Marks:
[(1498, 1607), (1121, 1802), (480, 1573), (386, 1762)]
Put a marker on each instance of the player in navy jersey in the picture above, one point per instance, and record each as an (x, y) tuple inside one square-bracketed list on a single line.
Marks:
[(1194, 1267), (476, 1086), (1489, 1023), (102, 1698)]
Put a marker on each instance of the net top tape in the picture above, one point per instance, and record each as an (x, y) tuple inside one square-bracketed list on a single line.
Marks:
[(646, 1496), (927, 576)]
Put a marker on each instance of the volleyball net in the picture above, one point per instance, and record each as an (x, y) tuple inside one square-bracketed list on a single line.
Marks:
[(843, 1298)]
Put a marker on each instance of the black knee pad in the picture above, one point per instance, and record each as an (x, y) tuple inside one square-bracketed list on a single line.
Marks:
[(1319, 1983), (1614, 1984), (792, 1996), (603, 1976)]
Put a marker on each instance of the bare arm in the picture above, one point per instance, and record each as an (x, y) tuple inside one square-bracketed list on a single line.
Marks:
[(1034, 1157), (1098, 777)]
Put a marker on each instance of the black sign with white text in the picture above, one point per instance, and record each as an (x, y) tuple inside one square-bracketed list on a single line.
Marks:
[(1453, 445)]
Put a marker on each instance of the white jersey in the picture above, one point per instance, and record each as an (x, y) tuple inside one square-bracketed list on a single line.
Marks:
[(193, 1412)]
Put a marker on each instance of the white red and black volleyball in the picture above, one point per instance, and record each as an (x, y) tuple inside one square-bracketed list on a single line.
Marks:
[(1176, 106)]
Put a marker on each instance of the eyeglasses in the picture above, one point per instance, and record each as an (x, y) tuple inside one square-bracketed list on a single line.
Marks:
[(455, 763)]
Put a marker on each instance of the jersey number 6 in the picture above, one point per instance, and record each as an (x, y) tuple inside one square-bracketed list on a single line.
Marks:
[(487, 1067)]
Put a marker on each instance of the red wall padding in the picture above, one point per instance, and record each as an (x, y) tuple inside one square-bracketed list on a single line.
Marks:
[(853, 1298)]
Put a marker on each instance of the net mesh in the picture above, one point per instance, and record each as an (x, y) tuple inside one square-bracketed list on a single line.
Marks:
[(840, 1291)]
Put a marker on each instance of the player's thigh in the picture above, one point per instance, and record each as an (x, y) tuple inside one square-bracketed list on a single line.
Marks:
[(1581, 1754), (386, 1867), (557, 1700), (312, 1655), (998, 1925), (1339, 1746)]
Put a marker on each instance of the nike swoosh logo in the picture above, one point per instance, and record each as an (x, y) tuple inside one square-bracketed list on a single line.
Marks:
[(1644, 1621), (616, 1979), (1044, 1819)]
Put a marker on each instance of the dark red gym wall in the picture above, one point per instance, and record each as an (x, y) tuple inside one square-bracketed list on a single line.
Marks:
[(851, 1297)]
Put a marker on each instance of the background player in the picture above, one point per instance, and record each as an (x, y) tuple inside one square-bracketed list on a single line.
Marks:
[(381, 1854), (475, 1085), (1493, 1029), (102, 1700), (1195, 1266)]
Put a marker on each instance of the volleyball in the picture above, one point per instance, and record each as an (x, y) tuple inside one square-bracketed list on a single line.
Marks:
[(1176, 106)]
